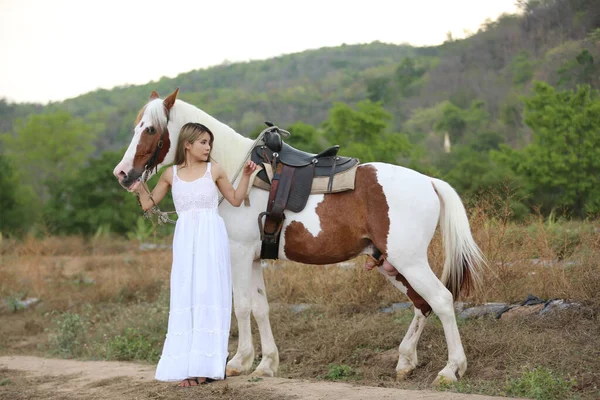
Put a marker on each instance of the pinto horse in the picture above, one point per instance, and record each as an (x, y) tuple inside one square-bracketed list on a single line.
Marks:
[(391, 216)]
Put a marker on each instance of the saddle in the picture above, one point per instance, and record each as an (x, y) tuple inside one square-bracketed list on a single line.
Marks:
[(293, 172)]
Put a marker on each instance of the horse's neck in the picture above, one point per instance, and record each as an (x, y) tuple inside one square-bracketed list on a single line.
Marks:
[(229, 149)]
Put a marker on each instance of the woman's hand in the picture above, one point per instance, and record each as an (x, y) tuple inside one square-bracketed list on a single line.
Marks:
[(249, 168)]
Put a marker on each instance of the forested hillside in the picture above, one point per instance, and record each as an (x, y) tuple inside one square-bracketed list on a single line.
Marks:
[(517, 103)]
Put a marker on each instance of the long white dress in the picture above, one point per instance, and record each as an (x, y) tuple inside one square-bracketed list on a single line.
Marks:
[(201, 292)]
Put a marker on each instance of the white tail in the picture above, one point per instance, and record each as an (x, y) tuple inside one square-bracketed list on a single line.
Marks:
[(463, 257)]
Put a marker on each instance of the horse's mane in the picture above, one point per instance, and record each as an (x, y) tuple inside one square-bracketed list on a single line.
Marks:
[(157, 110)]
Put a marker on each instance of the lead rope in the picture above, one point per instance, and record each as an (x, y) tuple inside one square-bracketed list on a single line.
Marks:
[(162, 216)]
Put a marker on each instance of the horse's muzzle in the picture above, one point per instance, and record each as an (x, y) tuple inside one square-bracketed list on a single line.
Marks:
[(128, 179)]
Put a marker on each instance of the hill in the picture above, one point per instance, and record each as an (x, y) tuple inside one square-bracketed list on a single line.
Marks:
[(490, 71)]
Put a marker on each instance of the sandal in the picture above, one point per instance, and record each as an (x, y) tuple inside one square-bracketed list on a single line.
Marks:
[(189, 382)]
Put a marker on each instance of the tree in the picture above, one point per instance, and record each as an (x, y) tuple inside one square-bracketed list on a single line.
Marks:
[(562, 164), (362, 133), (304, 137), (13, 212), (47, 149), (476, 174), (407, 73), (581, 70), (378, 88), (364, 124), (521, 68), (93, 198), (452, 122)]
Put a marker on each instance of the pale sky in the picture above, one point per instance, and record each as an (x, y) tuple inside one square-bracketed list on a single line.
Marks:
[(51, 50)]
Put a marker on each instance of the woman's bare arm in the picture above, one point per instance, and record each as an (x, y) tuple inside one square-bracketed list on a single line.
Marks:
[(159, 191), (233, 196)]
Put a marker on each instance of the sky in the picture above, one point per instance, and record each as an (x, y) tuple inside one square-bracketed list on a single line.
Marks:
[(51, 50)]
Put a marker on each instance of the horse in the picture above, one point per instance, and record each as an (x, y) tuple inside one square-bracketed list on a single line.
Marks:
[(391, 216)]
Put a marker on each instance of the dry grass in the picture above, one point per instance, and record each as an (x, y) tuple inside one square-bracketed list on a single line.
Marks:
[(548, 260), (68, 271), (113, 285)]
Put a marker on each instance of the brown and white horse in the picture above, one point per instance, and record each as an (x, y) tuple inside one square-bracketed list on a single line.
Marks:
[(391, 215)]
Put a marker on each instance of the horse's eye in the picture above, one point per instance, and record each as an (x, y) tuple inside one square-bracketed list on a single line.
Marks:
[(151, 130)]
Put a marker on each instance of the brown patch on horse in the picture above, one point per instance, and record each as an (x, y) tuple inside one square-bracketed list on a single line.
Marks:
[(467, 284), (349, 221), (416, 299), (147, 145), (165, 148)]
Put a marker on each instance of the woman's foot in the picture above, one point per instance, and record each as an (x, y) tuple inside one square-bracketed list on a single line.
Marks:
[(189, 382)]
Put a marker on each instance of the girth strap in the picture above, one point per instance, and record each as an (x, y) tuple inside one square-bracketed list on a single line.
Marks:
[(278, 197)]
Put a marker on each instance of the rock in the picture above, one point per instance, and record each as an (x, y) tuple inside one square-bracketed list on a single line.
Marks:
[(14, 305), (553, 305), (480, 311), (520, 311), (153, 246), (534, 305), (396, 306), (300, 307)]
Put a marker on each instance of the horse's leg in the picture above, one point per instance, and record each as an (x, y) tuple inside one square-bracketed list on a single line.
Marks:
[(423, 281), (407, 359), (260, 309), (241, 274)]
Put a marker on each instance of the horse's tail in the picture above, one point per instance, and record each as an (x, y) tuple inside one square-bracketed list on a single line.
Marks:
[(464, 259)]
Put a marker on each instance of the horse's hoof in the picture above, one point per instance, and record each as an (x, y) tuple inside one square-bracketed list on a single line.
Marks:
[(444, 378), (403, 374), (232, 371), (262, 373)]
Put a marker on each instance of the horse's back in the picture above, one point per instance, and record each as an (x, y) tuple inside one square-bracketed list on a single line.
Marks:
[(401, 184), (413, 205)]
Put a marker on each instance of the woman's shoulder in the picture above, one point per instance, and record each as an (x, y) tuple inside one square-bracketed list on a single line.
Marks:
[(215, 168), (168, 174)]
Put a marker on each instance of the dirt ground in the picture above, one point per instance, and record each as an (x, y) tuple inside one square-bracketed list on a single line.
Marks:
[(28, 377)]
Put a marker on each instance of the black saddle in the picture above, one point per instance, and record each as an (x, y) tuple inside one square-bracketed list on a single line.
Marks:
[(293, 174)]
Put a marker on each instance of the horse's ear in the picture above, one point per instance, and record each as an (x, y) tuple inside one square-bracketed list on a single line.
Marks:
[(170, 100), (154, 95)]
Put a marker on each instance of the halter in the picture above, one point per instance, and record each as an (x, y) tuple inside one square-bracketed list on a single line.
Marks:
[(163, 216), (154, 158)]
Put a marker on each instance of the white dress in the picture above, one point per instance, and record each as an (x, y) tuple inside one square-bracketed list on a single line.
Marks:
[(200, 304)]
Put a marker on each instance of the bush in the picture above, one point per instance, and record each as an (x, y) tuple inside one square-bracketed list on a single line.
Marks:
[(68, 336), (339, 372), (539, 383), (132, 345)]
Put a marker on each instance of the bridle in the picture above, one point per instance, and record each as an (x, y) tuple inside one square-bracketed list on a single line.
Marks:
[(153, 160), (163, 216)]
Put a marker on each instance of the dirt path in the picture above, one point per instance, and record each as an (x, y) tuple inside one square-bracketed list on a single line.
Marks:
[(27, 377)]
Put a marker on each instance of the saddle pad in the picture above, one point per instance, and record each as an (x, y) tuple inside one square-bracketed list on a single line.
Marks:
[(322, 168), (342, 181)]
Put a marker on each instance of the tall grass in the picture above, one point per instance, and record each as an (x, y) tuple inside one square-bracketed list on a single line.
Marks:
[(105, 298)]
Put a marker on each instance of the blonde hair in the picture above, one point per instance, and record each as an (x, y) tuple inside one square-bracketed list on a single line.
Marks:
[(189, 133)]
